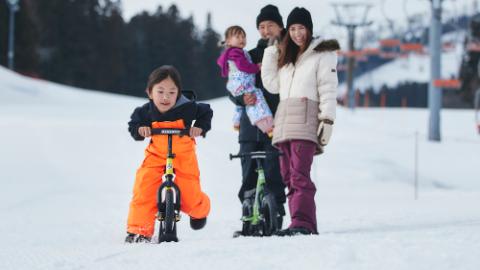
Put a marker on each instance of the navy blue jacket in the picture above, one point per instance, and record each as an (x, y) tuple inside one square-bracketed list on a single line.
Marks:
[(184, 108)]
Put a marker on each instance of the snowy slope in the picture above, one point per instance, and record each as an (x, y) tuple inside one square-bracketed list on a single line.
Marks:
[(68, 164)]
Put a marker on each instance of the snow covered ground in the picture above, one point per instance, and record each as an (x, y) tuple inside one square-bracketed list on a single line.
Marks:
[(68, 165)]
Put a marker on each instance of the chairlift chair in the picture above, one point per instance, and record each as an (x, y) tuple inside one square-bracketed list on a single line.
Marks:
[(453, 84), (389, 48)]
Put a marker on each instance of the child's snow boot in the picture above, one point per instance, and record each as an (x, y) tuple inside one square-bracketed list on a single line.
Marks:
[(143, 239), (197, 223), (137, 238), (130, 237)]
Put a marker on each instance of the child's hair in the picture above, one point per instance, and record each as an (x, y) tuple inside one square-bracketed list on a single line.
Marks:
[(233, 31), (163, 72)]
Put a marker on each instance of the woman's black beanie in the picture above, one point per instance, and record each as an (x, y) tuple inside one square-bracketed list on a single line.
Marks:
[(301, 16)]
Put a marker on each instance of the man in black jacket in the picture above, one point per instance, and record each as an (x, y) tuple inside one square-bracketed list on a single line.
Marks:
[(270, 26)]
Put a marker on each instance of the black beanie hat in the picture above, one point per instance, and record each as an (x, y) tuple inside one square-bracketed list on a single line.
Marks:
[(301, 16), (270, 13)]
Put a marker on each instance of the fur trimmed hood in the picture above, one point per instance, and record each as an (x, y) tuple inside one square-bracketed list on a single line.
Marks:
[(327, 45)]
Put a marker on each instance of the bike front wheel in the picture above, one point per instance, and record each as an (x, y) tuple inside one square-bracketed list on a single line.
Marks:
[(169, 212), (270, 215), (168, 228)]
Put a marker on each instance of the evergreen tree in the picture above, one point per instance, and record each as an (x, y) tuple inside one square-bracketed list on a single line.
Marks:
[(4, 15), (86, 43), (110, 71), (212, 83), (26, 38)]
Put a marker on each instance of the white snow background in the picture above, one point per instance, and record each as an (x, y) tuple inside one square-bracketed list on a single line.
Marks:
[(67, 167)]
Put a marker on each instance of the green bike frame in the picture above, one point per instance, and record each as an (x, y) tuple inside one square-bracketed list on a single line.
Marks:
[(256, 216)]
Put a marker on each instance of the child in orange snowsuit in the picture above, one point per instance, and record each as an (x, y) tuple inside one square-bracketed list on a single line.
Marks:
[(167, 108)]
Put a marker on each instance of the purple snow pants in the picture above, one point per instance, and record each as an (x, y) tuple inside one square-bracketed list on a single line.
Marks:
[(295, 165)]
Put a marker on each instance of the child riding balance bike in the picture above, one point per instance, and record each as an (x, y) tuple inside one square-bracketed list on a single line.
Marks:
[(167, 112)]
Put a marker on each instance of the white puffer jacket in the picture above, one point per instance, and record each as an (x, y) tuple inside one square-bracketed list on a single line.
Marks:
[(308, 91), (314, 76)]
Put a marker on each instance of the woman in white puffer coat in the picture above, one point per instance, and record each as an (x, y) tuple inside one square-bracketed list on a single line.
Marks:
[(303, 71)]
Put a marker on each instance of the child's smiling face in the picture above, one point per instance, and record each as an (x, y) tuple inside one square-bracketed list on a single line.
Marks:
[(164, 94)]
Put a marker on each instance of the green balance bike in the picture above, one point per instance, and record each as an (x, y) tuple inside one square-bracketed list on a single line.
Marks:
[(260, 215), (168, 196)]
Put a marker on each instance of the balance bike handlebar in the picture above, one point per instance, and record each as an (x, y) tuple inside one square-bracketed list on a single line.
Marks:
[(256, 154), (170, 131)]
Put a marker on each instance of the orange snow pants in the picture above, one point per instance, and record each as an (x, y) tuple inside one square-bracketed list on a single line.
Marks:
[(193, 202)]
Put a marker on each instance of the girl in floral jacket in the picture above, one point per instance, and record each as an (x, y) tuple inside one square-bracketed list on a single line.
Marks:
[(236, 64)]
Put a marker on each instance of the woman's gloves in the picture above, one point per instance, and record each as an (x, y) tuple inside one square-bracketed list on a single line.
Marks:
[(324, 131)]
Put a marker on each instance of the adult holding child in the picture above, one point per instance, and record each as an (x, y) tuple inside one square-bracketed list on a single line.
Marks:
[(270, 26), (303, 71)]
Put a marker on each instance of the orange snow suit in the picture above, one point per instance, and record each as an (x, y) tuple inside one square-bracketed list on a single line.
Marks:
[(193, 202)]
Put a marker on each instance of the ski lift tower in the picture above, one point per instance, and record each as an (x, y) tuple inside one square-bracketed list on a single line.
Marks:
[(434, 92), (13, 5), (348, 16)]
